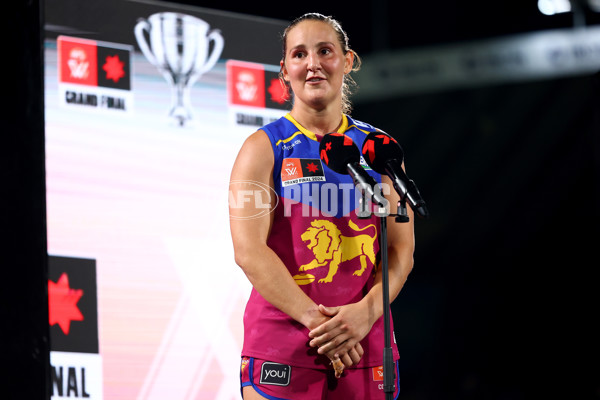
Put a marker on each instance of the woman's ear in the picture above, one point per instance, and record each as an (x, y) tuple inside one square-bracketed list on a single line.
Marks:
[(349, 63), (283, 71)]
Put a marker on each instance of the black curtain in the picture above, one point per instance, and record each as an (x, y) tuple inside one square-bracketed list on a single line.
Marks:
[(23, 250), (501, 300)]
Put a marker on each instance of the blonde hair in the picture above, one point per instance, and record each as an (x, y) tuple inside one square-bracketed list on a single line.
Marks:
[(348, 84)]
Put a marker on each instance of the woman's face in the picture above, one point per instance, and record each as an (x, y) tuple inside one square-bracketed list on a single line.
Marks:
[(315, 64)]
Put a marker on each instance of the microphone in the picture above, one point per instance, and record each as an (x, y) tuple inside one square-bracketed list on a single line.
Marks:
[(384, 155), (341, 155)]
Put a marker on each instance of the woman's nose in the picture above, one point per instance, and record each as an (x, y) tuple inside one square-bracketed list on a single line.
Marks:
[(313, 62)]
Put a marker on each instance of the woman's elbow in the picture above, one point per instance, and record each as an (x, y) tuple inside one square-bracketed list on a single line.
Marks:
[(241, 255), (245, 253)]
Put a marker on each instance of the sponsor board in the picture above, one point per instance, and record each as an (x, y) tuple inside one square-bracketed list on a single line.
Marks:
[(75, 362), (94, 75), (256, 96)]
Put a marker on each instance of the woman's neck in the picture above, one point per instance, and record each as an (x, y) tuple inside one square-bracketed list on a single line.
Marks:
[(319, 122)]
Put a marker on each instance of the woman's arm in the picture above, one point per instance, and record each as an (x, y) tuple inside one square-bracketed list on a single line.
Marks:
[(264, 269)]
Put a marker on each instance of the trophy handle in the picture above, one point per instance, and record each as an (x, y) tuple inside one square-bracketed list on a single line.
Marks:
[(217, 38), (140, 27)]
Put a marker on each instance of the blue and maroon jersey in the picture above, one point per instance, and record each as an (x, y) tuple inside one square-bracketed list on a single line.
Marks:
[(327, 248)]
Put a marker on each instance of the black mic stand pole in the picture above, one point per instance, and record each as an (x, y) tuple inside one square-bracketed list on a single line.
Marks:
[(401, 216), (388, 355)]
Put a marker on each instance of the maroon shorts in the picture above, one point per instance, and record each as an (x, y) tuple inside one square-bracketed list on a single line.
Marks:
[(282, 382)]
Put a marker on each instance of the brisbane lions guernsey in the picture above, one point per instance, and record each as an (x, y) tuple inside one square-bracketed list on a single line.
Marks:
[(329, 251)]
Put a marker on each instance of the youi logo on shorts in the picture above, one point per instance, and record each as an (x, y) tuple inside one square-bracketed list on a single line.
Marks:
[(275, 374)]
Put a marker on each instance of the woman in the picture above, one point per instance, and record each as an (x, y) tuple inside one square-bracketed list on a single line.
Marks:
[(317, 295)]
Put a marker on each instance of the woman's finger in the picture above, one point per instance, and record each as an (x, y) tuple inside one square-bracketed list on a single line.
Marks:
[(336, 345), (359, 349), (347, 360), (354, 356)]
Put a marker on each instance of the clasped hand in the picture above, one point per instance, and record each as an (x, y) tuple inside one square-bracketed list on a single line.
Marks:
[(340, 336)]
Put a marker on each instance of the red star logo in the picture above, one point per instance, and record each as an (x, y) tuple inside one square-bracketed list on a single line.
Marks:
[(278, 91), (312, 167), (62, 303), (114, 68)]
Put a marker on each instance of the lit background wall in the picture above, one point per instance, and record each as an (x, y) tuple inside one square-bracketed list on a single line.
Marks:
[(500, 302)]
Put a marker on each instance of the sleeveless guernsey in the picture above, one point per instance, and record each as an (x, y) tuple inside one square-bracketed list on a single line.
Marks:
[(330, 252)]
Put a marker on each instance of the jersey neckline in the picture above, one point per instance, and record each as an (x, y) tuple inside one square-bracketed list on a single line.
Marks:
[(311, 135)]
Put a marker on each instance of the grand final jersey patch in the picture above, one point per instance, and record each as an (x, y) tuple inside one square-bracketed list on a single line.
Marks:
[(300, 170)]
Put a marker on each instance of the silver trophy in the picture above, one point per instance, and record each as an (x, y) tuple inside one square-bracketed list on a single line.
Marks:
[(178, 46)]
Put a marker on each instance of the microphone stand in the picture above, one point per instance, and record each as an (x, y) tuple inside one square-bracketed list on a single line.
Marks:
[(388, 355)]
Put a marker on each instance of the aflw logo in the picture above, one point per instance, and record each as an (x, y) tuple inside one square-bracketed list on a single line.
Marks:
[(246, 86), (291, 171), (275, 374), (78, 64)]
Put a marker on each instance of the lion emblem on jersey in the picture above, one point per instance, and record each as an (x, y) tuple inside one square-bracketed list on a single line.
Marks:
[(331, 248)]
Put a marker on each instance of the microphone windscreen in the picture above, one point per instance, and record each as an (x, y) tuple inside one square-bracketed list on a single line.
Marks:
[(379, 148), (337, 151)]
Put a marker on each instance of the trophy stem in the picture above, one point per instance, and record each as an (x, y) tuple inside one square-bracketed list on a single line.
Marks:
[(181, 103)]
